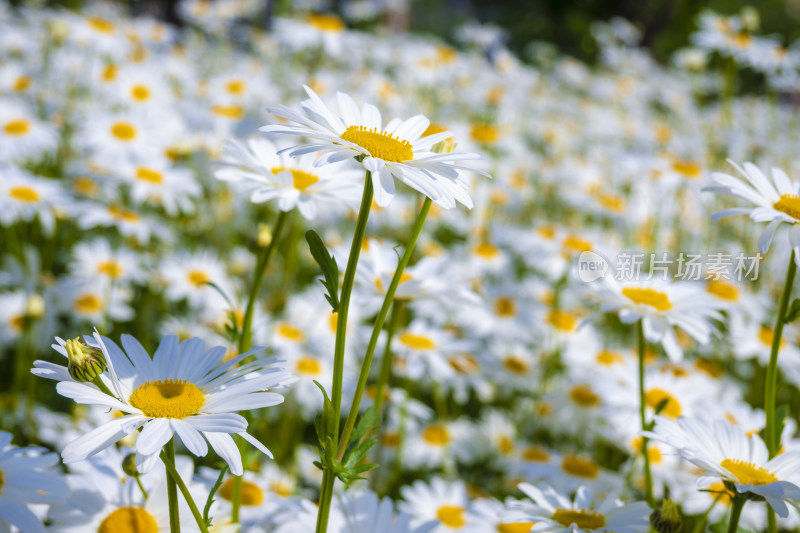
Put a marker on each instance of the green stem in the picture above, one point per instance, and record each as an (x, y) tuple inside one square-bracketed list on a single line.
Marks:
[(168, 456), (736, 511), (328, 476), (771, 431), (141, 487), (236, 499), (772, 522), (648, 478), (388, 357), (378, 326), (245, 340), (102, 386)]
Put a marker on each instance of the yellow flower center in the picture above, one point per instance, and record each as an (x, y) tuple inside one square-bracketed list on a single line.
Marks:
[(110, 268), (515, 527), (612, 202), (742, 40), (575, 243), (281, 489), (687, 168), (110, 72), (379, 144), (562, 320), (233, 112), (789, 204), (17, 323), (17, 127), (505, 306), (26, 195), (308, 365), (129, 520), (486, 250), (436, 435), (582, 519), (251, 493), (236, 87), (654, 397), (544, 409), (653, 453), (723, 289), (748, 473), (515, 365), (197, 277), (417, 342), (766, 335), (120, 213), (324, 22), (301, 180), (505, 444), (100, 24), (140, 93), (434, 128), (124, 131), (451, 516), (608, 358), (167, 398), (584, 396), (88, 304), (85, 186), (580, 467), (149, 175), (22, 84), (464, 363), (290, 332), (651, 297), (484, 133), (535, 454)]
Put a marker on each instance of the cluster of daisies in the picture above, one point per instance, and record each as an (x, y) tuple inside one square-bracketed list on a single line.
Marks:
[(144, 170)]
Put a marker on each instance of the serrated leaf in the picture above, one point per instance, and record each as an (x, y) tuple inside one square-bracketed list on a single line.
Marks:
[(794, 311), (365, 468), (328, 266), (358, 453), (368, 421)]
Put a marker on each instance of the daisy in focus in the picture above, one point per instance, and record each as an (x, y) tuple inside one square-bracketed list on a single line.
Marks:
[(661, 306), (183, 389), (397, 150), (776, 201), (729, 455)]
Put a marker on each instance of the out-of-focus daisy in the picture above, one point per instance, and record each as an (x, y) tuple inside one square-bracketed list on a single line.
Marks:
[(182, 389), (729, 455), (364, 512), (661, 305), (23, 197), (21, 134), (97, 261), (776, 201), (294, 182), (158, 182), (397, 150), (439, 500), (24, 480), (556, 512)]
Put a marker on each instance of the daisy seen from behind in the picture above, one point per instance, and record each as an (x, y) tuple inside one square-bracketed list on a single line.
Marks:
[(183, 390), (396, 150)]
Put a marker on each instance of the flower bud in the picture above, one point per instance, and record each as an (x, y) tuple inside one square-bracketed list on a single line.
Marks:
[(667, 518), (129, 465), (85, 362)]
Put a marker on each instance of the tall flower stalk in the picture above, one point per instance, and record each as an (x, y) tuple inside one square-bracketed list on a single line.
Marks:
[(648, 477)]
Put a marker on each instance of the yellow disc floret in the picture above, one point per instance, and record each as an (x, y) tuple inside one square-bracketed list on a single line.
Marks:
[(128, 520), (789, 204), (167, 398), (251, 493), (748, 473), (583, 519), (655, 299), (379, 144), (17, 127), (451, 516)]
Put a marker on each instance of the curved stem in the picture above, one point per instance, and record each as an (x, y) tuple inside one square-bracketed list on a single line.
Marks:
[(245, 339), (388, 357), (328, 476), (770, 430), (378, 326), (736, 511), (168, 457), (648, 478)]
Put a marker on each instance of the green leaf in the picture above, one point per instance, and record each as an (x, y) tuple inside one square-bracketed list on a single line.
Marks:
[(368, 422), (661, 405), (210, 499), (328, 266), (722, 527), (357, 454), (794, 311)]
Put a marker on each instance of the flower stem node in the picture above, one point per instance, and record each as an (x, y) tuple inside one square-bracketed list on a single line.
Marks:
[(667, 518), (85, 362)]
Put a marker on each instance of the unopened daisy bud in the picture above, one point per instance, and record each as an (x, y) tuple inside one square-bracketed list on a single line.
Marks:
[(129, 465), (445, 147), (34, 307), (751, 19), (264, 235), (667, 518), (85, 362)]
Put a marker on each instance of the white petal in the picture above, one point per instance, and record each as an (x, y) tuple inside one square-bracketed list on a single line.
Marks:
[(154, 436), (225, 447), (190, 437)]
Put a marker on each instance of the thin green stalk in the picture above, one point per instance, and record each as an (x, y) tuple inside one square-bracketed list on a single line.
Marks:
[(700, 526), (168, 458), (378, 326), (736, 511), (648, 478), (338, 359), (771, 431), (172, 488), (388, 357), (245, 340), (141, 487), (236, 499)]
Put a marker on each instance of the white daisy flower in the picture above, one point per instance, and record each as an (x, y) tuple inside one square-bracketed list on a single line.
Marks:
[(776, 201), (182, 389), (397, 150), (439, 500), (25, 480), (734, 457), (554, 512)]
